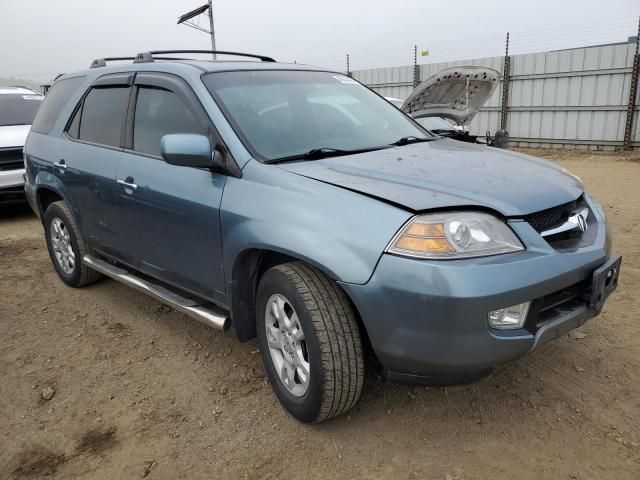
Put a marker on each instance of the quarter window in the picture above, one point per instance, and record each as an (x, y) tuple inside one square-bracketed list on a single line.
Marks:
[(54, 102), (74, 128), (103, 114), (160, 112)]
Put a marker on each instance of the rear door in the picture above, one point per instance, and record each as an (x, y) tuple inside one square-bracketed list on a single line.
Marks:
[(170, 214), (89, 164)]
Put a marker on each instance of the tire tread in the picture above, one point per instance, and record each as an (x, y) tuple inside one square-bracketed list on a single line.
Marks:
[(338, 334)]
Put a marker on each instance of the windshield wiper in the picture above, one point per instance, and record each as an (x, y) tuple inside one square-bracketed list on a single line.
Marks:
[(410, 139), (323, 152)]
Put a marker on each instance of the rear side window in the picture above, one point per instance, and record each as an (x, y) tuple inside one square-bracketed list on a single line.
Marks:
[(102, 116), (160, 112), (54, 102)]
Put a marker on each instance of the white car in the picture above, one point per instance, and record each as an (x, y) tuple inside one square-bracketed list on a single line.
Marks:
[(18, 107)]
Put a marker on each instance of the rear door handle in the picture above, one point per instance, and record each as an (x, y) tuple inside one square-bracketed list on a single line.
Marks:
[(61, 164), (126, 184)]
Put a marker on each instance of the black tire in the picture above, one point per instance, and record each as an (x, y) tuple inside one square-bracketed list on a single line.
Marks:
[(81, 275), (332, 336)]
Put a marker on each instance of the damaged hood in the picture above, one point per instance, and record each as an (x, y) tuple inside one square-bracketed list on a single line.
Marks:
[(448, 174), (457, 93)]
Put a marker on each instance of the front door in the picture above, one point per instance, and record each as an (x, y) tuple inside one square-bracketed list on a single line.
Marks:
[(170, 214)]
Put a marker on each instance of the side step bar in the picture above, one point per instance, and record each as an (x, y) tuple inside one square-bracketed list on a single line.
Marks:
[(218, 319)]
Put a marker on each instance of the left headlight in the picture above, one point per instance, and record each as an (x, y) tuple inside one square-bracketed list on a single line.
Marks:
[(453, 235)]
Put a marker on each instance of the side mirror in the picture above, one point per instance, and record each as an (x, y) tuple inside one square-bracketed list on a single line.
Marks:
[(189, 150)]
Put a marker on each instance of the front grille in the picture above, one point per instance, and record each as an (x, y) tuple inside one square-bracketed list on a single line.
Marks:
[(551, 306), (551, 217), (11, 159), (12, 195)]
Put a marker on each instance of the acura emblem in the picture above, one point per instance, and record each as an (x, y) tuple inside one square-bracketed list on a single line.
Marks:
[(577, 221), (580, 221)]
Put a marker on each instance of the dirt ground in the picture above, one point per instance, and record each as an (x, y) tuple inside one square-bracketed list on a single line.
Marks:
[(142, 391)]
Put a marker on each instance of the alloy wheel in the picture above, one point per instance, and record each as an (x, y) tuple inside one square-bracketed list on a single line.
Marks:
[(61, 244), (287, 345)]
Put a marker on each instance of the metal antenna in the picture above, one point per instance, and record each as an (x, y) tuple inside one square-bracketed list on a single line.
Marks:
[(348, 67)]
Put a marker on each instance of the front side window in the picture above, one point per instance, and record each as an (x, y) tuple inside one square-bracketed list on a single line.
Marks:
[(102, 116), (283, 113), (54, 102), (160, 112)]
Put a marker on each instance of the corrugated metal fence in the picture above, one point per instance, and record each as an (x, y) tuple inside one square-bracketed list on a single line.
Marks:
[(574, 98)]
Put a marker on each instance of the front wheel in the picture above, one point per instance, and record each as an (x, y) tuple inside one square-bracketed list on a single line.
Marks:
[(310, 342)]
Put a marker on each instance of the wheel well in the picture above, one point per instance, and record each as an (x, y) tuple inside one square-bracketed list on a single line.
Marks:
[(247, 271), (45, 198)]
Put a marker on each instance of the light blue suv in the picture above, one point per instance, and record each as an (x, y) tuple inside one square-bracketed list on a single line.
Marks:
[(302, 208)]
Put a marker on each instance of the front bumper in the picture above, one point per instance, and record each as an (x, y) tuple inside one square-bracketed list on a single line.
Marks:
[(11, 178), (11, 186), (429, 318)]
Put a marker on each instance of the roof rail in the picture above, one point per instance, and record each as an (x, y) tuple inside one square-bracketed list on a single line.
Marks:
[(102, 62), (146, 57)]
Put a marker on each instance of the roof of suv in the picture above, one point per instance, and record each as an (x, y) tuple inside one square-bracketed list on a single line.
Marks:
[(178, 66), (205, 65), (221, 65), (160, 61)]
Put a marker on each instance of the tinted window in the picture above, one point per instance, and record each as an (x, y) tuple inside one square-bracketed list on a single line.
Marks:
[(54, 102), (285, 113), (19, 109), (160, 112), (103, 114)]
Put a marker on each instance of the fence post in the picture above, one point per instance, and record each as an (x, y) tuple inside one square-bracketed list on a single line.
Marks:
[(416, 69), (633, 93), (506, 73)]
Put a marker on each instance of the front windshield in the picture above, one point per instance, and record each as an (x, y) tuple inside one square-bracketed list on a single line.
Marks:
[(18, 109), (284, 113)]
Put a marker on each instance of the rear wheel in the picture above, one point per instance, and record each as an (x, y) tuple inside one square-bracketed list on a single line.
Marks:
[(310, 342), (66, 246)]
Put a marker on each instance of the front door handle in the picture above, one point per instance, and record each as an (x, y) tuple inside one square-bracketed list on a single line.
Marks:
[(61, 164), (126, 184)]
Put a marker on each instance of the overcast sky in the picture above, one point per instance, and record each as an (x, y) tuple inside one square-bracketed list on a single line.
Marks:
[(41, 38)]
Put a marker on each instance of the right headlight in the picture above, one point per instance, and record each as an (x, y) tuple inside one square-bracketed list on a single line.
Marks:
[(452, 235)]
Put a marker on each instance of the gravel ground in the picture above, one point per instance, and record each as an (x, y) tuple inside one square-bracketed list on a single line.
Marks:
[(104, 383)]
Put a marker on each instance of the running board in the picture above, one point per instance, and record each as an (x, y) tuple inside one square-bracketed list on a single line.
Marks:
[(218, 319)]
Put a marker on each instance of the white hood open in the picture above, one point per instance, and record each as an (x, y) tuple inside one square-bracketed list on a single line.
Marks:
[(457, 93)]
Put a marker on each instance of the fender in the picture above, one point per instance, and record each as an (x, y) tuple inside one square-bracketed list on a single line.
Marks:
[(271, 216), (338, 231), (48, 181)]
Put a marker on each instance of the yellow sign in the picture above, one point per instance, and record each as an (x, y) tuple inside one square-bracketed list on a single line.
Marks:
[(424, 53)]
